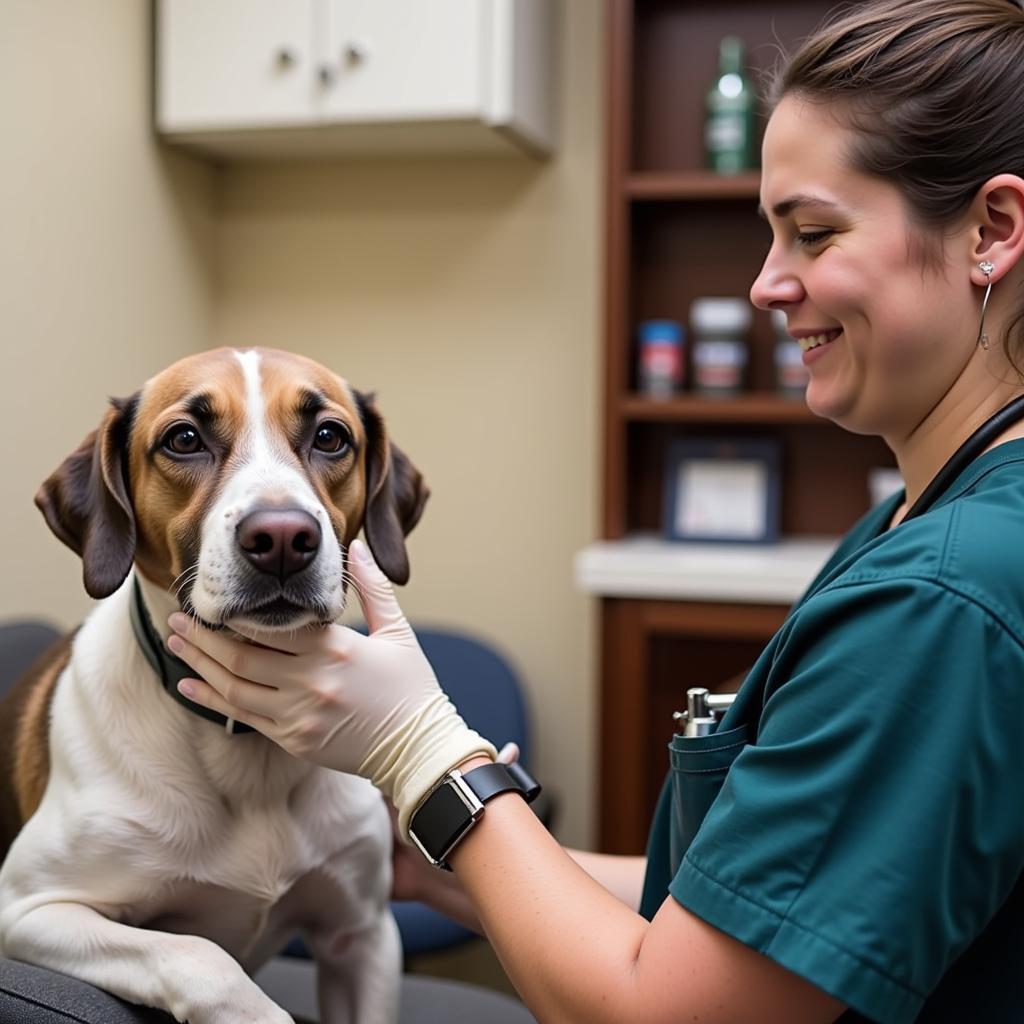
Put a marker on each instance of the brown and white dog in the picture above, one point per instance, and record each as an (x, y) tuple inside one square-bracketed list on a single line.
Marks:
[(152, 853)]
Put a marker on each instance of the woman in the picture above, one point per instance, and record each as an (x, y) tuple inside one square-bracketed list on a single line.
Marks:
[(861, 860)]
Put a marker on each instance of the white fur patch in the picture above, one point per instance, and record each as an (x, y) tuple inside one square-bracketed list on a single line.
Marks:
[(263, 472)]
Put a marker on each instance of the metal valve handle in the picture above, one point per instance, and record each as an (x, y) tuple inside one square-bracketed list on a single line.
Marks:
[(703, 711)]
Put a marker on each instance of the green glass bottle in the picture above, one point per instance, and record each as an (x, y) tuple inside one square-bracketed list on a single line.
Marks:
[(729, 124)]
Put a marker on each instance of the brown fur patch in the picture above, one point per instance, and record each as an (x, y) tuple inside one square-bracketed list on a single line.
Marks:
[(24, 740), (170, 501)]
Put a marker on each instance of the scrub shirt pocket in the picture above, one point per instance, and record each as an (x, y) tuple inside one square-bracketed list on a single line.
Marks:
[(699, 767)]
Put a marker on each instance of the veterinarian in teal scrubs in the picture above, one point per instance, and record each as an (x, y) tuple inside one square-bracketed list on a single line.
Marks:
[(858, 792), (848, 844)]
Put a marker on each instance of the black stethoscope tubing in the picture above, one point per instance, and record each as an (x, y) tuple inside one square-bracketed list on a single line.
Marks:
[(966, 454)]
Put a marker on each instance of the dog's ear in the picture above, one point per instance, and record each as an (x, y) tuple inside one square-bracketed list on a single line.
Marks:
[(395, 493), (87, 505)]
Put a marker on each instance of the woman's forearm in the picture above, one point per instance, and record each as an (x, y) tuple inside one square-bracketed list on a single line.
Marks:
[(621, 876), (583, 942)]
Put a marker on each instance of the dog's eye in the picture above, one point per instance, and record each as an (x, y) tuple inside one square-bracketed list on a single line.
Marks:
[(331, 438), (183, 439)]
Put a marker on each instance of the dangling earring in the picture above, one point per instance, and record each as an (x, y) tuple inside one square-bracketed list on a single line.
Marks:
[(986, 268)]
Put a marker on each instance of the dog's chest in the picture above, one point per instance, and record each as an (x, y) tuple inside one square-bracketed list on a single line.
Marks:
[(264, 870)]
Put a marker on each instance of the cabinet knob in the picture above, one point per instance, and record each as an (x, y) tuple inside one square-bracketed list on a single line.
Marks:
[(286, 58), (355, 51), (326, 75)]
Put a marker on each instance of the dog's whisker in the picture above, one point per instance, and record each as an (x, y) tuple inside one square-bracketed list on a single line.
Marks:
[(176, 593), (194, 567), (349, 578), (182, 580)]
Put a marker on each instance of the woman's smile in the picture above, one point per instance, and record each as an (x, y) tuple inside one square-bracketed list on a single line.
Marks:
[(815, 343)]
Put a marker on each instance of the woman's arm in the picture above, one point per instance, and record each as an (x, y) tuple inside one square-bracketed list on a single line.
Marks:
[(577, 953), (622, 876), (574, 950), (416, 879)]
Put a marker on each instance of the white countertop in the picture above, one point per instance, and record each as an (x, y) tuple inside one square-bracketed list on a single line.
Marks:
[(652, 567)]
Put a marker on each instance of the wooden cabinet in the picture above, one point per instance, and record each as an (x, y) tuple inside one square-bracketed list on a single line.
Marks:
[(676, 232), (295, 77)]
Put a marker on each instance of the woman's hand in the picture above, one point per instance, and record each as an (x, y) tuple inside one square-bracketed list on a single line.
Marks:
[(369, 705)]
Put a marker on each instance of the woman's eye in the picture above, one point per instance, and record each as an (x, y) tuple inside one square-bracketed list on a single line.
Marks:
[(331, 438), (183, 440), (811, 237)]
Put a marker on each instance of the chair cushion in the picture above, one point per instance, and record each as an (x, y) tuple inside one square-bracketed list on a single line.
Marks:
[(33, 995)]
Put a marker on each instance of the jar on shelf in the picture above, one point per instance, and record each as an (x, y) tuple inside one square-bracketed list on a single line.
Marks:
[(720, 349), (791, 375), (661, 369)]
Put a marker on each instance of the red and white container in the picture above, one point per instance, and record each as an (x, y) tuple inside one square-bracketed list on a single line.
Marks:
[(662, 364)]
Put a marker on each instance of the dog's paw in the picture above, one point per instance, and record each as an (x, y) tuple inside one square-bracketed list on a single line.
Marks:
[(227, 998)]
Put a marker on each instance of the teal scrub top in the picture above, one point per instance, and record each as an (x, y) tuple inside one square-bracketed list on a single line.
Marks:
[(864, 821)]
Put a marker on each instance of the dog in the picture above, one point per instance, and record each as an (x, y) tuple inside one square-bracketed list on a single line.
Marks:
[(152, 853)]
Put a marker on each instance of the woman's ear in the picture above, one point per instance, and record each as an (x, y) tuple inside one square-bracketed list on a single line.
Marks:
[(999, 212)]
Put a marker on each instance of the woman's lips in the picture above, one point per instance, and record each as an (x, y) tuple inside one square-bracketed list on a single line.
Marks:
[(815, 345)]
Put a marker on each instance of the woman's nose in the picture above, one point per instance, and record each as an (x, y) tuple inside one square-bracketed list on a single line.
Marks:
[(776, 285)]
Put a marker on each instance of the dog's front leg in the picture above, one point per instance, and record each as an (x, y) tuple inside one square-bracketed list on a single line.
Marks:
[(359, 973), (190, 977)]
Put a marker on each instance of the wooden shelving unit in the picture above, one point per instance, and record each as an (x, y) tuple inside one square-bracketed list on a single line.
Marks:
[(759, 407), (675, 232), (692, 185)]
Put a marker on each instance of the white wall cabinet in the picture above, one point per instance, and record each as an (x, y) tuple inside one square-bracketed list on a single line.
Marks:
[(278, 78)]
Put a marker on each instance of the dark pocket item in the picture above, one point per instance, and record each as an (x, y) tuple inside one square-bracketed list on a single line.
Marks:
[(699, 767)]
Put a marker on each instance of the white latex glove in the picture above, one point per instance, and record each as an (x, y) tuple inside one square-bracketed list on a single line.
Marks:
[(368, 705)]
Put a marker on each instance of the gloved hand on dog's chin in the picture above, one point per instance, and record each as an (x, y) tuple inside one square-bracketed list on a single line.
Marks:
[(369, 705)]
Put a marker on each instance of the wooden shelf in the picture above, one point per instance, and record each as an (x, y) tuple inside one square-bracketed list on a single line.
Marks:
[(754, 407), (677, 615), (693, 185)]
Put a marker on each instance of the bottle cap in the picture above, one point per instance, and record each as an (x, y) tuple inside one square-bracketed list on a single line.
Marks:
[(730, 53), (666, 331), (720, 315)]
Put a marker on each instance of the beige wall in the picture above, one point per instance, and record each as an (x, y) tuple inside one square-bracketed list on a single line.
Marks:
[(466, 292), (105, 259)]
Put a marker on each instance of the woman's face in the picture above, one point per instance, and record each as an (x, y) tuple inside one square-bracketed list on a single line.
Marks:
[(886, 335)]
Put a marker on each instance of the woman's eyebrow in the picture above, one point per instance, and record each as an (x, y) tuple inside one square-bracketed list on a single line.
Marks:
[(787, 206)]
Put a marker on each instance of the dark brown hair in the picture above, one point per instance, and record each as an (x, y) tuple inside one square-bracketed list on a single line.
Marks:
[(934, 93)]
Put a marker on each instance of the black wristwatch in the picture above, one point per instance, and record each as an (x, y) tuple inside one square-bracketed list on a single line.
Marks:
[(456, 804)]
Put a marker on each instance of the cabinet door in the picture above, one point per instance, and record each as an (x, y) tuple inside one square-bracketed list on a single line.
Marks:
[(234, 63), (405, 59)]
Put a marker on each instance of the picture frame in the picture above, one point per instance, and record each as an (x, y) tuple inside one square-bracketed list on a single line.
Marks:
[(722, 491)]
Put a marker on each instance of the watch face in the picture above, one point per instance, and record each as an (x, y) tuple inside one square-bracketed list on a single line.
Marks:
[(442, 820)]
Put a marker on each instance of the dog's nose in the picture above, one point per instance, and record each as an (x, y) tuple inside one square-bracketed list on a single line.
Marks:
[(279, 541)]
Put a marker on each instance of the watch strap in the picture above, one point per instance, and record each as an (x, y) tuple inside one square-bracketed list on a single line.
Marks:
[(489, 780)]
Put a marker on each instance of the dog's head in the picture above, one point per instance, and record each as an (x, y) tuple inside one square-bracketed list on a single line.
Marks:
[(237, 480)]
